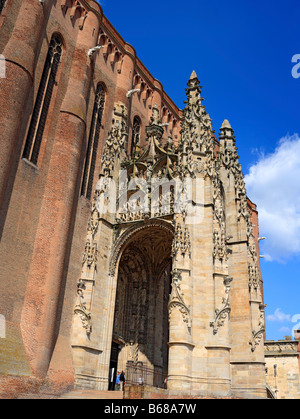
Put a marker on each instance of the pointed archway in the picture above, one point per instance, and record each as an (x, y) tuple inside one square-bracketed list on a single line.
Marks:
[(141, 319)]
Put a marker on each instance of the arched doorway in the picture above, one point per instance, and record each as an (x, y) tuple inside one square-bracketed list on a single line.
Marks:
[(141, 319)]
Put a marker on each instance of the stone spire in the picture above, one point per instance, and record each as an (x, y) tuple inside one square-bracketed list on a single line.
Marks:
[(193, 75), (226, 132), (230, 161), (194, 82), (228, 150), (226, 124), (196, 125)]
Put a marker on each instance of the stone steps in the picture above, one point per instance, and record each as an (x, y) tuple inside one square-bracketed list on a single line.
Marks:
[(92, 394)]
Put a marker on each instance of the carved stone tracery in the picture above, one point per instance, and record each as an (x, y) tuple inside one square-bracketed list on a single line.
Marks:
[(181, 243), (90, 255), (196, 129), (149, 172), (116, 140), (196, 135), (282, 347)]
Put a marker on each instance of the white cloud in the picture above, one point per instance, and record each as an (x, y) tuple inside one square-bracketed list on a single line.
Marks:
[(285, 329), (279, 316), (273, 183)]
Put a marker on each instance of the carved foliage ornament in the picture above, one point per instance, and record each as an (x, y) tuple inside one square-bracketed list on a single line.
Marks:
[(257, 337), (222, 314), (177, 301), (81, 310), (220, 250), (258, 334), (281, 347)]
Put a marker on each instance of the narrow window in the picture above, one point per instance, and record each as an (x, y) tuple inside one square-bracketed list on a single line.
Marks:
[(40, 111), (91, 154)]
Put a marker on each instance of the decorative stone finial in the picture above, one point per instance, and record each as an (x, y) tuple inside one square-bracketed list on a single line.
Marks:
[(226, 124), (196, 126), (193, 75), (194, 82), (226, 131)]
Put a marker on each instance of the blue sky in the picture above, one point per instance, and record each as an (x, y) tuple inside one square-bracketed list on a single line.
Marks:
[(242, 53)]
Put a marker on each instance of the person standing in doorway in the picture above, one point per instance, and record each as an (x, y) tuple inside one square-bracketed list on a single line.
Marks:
[(117, 385), (122, 380)]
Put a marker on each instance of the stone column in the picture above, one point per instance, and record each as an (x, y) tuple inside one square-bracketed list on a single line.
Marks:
[(218, 341), (180, 318), (20, 58), (247, 360), (210, 363)]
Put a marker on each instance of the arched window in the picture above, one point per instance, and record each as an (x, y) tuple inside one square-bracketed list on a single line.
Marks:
[(2, 4), (136, 135), (91, 155), (40, 111)]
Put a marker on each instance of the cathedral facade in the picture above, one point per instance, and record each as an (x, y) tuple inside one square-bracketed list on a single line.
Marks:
[(128, 241)]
